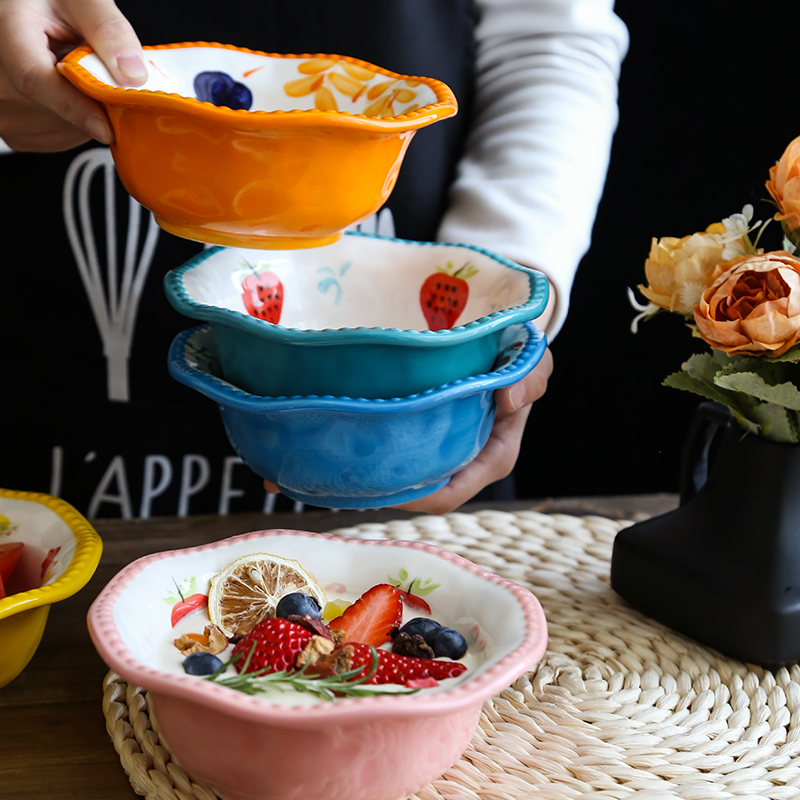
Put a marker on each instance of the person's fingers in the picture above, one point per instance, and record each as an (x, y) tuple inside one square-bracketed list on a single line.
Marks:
[(271, 487), (112, 37), (493, 463), (528, 390), (29, 75)]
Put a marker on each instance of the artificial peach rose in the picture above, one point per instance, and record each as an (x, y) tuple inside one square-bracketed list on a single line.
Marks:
[(752, 305), (784, 186), (677, 269)]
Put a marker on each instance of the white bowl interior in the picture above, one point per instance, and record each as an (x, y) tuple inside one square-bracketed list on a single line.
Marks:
[(359, 281), (279, 84), (486, 613), (49, 543)]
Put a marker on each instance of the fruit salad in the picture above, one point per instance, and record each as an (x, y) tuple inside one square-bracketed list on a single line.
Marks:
[(267, 628)]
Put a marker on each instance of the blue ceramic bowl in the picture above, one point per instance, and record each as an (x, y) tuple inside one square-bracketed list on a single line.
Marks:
[(330, 320), (341, 452)]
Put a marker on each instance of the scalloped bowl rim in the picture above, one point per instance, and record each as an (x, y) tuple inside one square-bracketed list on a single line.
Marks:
[(88, 549), (445, 106), (531, 309), (115, 653), (228, 394)]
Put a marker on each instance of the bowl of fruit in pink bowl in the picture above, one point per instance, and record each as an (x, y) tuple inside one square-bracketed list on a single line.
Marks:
[(369, 316), (48, 552), (284, 664)]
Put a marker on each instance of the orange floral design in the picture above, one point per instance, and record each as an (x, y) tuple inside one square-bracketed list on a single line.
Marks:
[(325, 77), (784, 185), (752, 305)]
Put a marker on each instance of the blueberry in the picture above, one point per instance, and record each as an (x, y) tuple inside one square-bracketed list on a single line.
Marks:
[(201, 664), (221, 89), (422, 626), (298, 603), (447, 643)]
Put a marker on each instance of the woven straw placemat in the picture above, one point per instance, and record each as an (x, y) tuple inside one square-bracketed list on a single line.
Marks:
[(619, 706)]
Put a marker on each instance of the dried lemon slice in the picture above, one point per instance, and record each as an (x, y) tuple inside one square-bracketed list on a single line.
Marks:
[(248, 589)]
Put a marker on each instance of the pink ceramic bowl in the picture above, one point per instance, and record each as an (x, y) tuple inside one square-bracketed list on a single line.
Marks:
[(369, 748)]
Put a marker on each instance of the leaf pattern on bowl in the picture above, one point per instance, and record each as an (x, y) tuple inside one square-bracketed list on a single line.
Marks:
[(417, 586), (334, 82)]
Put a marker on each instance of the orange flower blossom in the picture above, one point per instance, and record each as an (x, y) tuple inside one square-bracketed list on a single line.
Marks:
[(784, 186), (752, 305)]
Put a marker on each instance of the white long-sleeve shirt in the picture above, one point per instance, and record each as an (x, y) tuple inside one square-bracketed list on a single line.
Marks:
[(545, 111)]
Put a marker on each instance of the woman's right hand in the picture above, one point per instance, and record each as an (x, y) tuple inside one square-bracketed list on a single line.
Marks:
[(40, 111)]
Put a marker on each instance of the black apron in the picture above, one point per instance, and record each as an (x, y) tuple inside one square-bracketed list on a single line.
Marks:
[(158, 448)]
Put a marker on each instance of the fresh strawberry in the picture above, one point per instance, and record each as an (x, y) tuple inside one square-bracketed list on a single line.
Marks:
[(444, 295), (414, 600), (373, 617), (394, 668), (188, 606), (9, 555), (277, 641), (262, 294)]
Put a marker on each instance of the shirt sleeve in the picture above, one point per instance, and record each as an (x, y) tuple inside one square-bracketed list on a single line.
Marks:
[(545, 112)]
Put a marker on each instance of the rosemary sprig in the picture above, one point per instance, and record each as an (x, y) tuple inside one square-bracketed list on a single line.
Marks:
[(328, 688)]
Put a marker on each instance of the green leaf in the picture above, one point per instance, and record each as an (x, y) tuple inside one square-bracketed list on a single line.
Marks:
[(792, 355), (741, 409), (782, 394), (778, 424)]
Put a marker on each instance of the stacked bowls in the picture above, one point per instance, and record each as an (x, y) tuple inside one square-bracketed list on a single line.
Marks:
[(360, 374)]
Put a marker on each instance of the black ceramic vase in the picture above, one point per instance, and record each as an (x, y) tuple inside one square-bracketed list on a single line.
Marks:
[(724, 567)]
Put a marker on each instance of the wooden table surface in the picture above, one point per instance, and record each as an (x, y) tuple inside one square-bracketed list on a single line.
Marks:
[(53, 741)]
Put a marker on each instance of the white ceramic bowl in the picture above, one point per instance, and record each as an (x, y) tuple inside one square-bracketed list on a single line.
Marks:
[(376, 748)]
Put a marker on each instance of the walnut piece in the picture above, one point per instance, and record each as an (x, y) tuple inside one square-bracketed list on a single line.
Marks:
[(212, 640), (334, 663), (317, 649)]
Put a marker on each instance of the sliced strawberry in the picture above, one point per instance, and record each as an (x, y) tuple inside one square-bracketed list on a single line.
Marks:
[(373, 617), (9, 555), (2, 588), (406, 670), (188, 606), (415, 601), (277, 641)]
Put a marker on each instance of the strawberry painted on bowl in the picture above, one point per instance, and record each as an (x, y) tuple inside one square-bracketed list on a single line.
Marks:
[(368, 316), (239, 147), (277, 746), (343, 452), (48, 552)]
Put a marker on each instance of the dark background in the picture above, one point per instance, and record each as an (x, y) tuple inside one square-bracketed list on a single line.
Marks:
[(707, 105)]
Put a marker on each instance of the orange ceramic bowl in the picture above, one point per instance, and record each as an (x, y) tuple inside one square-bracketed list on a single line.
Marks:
[(237, 147)]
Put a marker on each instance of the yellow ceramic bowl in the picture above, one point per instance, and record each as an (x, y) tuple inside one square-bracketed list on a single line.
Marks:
[(61, 553), (279, 151)]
